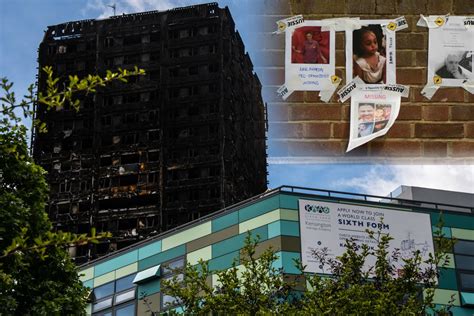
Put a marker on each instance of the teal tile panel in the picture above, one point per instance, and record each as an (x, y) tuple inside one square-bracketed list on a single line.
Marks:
[(89, 284), (467, 298), (149, 250), (447, 279), (274, 229), (446, 231), (285, 261), (148, 288), (115, 263), (237, 242), (456, 310), (454, 220), (161, 257), (224, 262), (259, 208), (289, 228), (462, 311), (289, 201), (285, 228), (225, 221)]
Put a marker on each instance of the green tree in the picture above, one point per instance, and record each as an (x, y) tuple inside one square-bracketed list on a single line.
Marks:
[(37, 276), (350, 288), (254, 287)]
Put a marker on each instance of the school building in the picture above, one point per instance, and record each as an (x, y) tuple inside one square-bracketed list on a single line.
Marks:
[(120, 281)]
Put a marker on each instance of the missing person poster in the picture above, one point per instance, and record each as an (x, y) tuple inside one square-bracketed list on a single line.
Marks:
[(370, 52), (325, 225), (450, 52), (309, 58), (374, 109)]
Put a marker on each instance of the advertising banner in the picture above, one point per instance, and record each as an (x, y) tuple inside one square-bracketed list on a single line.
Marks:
[(328, 225)]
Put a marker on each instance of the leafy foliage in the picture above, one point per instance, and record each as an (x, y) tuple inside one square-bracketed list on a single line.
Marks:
[(349, 287), (37, 276), (254, 287)]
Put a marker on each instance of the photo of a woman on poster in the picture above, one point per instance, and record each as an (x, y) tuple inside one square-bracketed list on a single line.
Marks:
[(310, 46), (369, 61)]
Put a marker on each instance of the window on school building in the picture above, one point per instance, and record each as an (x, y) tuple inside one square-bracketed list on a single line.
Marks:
[(464, 258), (169, 270), (116, 298)]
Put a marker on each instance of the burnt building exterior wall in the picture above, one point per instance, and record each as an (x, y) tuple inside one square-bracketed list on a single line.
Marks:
[(186, 139)]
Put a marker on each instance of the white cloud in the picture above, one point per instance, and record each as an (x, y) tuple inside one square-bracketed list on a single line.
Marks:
[(383, 179)]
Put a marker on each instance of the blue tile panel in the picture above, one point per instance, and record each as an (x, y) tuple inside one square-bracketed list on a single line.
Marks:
[(286, 261), (237, 242), (89, 284), (149, 288), (149, 250), (446, 231), (225, 221), (224, 262), (454, 220), (283, 228), (115, 263), (259, 208), (289, 201), (447, 279), (161, 257)]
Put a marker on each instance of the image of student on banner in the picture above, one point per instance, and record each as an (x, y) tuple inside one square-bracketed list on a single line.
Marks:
[(369, 54), (310, 46)]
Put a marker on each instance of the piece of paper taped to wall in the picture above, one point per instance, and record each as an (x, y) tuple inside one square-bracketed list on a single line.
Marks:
[(284, 92), (398, 24), (432, 21), (374, 110), (341, 24), (283, 24), (345, 92), (328, 90)]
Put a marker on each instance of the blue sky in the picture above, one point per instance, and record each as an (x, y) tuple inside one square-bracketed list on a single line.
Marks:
[(22, 23)]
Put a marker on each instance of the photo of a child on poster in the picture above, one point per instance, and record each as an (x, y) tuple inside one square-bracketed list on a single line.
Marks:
[(310, 45), (370, 53)]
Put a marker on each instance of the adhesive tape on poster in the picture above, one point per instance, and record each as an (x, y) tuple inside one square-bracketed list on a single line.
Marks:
[(398, 24), (346, 91), (284, 92), (469, 86), (429, 90), (403, 91), (342, 24), (283, 24), (432, 21), (469, 22), (326, 93)]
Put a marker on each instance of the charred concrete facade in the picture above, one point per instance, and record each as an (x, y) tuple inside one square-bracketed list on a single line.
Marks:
[(137, 159)]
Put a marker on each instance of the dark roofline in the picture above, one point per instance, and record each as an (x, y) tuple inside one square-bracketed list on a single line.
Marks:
[(295, 190), (129, 15)]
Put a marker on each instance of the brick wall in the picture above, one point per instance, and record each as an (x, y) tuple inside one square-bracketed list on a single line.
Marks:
[(303, 126)]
